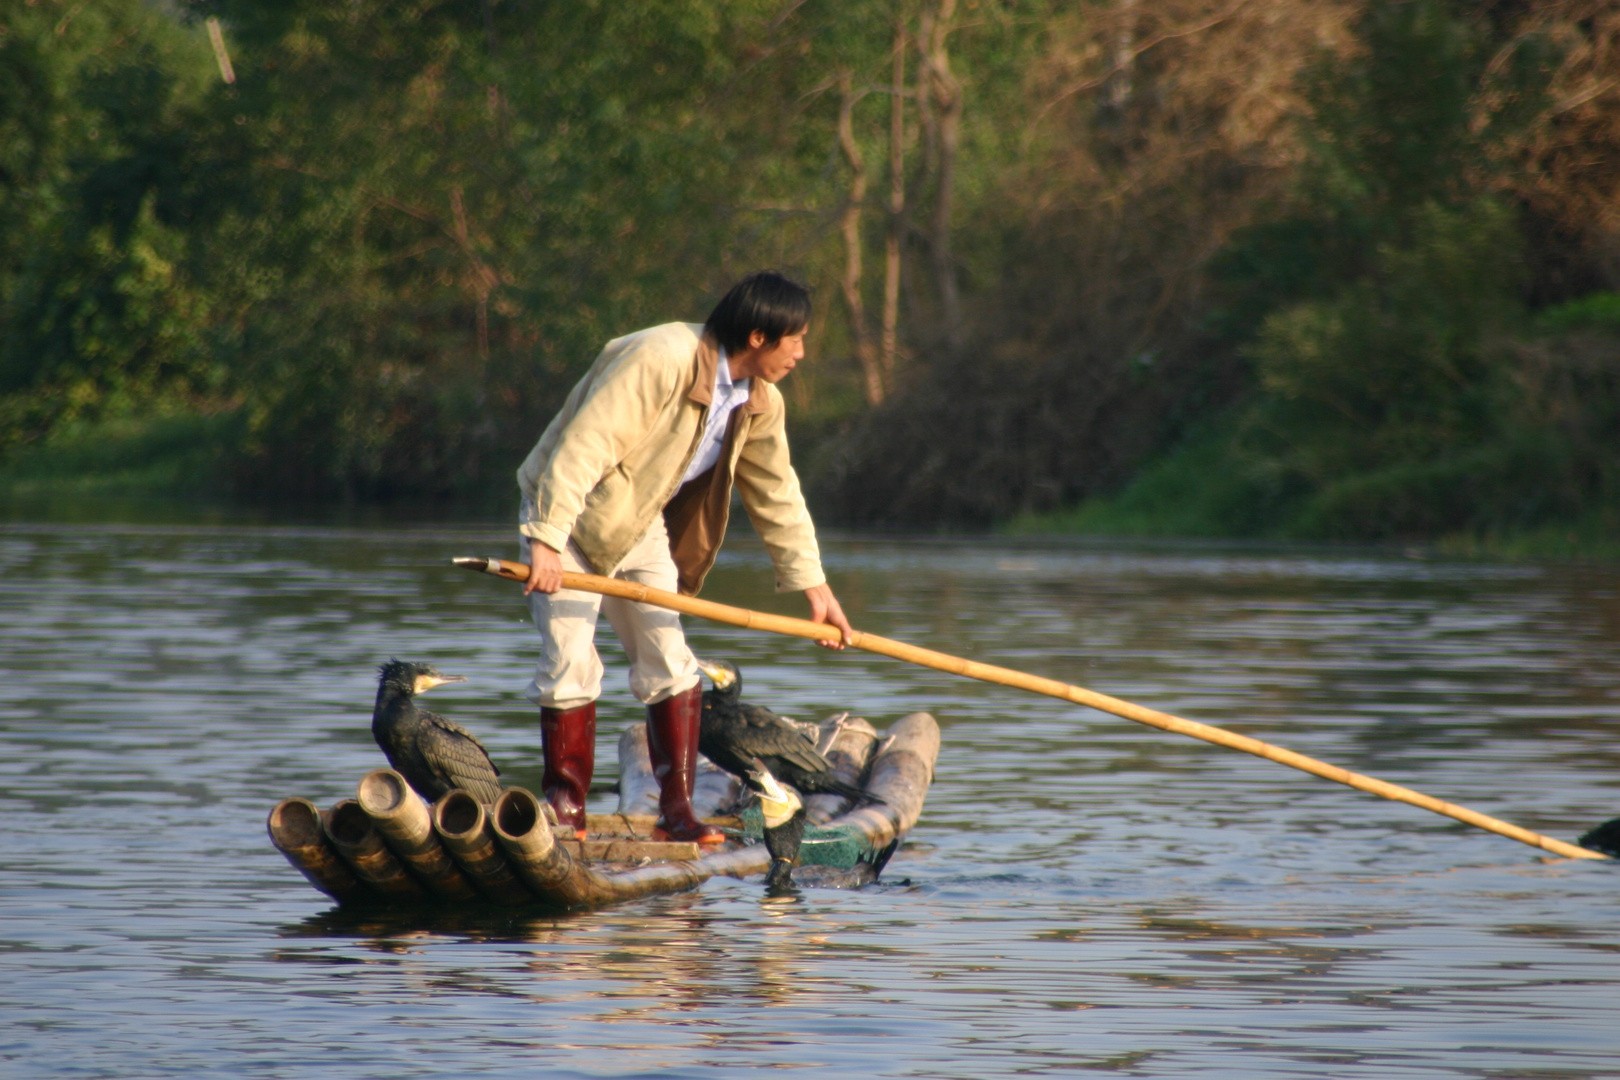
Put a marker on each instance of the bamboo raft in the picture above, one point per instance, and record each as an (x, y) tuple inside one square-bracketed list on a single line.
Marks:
[(387, 846)]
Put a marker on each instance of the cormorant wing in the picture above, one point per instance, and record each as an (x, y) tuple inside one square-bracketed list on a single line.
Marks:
[(769, 735), (456, 755)]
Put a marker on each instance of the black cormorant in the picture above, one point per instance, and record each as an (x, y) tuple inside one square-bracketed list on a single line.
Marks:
[(784, 823), (1604, 838), (433, 754), (733, 734)]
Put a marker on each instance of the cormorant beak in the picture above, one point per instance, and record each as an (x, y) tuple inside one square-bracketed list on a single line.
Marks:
[(721, 677), (424, 683), (759, 778)]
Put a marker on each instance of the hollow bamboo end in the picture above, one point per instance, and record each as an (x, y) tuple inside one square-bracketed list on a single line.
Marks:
[(296, 831), (518, 814), (459, 814), (294, 823), (383, 793), (348, 823), (518, 820)]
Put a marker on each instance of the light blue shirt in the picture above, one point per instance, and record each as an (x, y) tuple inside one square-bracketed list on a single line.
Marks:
[(727, 396)]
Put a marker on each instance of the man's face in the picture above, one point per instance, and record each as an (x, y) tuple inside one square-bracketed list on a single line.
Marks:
[(775, 361)]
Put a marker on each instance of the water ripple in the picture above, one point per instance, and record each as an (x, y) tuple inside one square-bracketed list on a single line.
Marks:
[(1083, 896)]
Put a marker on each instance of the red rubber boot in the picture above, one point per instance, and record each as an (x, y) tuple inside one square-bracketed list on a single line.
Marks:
[(569, 739), (672, 738)]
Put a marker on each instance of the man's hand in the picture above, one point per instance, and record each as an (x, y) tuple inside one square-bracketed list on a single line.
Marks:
[(545, 569), (824, 608)]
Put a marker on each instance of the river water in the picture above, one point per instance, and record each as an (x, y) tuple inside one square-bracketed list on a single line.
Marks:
[(1083, 896)]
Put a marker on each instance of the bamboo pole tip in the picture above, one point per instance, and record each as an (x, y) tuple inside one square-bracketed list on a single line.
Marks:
[(493, 566), (1574, 851)]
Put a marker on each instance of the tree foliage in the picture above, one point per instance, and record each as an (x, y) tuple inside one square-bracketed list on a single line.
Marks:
[(1336, 249), (1383, 401), (1351, 317)]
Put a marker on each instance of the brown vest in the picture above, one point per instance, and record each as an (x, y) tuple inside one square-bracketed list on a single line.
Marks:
[(696, 516)]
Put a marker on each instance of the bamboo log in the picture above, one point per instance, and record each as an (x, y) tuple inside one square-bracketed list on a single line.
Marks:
[(901, 771), (631, 850), (551, 871), (462, 825), (641, 825), (295, 830), (713, 789), (638, 788), (545, 867), (406, 827), (361, 845), (782, 624), (847, 743)]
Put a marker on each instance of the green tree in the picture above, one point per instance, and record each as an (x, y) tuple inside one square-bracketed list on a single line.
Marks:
[(1376, 305), (98, 311)]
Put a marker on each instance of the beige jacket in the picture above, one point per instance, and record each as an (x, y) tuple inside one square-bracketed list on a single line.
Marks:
[(613, 457)]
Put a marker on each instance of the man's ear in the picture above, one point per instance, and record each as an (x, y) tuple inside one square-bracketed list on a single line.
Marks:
[(756, 339)]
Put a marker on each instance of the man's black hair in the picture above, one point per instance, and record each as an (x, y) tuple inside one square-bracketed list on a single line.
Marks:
[(765, 301)]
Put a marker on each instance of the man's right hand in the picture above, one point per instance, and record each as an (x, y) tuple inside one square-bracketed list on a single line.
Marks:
[(545, 569)]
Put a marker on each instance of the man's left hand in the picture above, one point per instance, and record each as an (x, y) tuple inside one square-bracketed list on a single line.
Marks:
[(824, 608)]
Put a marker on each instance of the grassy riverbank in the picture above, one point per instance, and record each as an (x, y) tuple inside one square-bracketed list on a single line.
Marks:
[(1202, 490), (181, 462), (168, 456), (1594, 538)]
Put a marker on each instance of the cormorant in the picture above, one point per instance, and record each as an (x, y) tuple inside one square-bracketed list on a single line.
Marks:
[(433, 754), (784, 823), (733, 734), (1604, 838)]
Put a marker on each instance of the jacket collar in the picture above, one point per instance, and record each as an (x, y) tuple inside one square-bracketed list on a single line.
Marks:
[(705, 361)]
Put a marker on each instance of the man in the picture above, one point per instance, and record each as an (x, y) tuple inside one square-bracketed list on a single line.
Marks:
[(633, 479)]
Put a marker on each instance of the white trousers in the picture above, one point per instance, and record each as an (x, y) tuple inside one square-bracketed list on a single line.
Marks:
[(569, 672)]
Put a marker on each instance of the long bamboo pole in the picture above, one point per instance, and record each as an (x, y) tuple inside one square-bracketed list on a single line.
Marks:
[(783, 624)]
